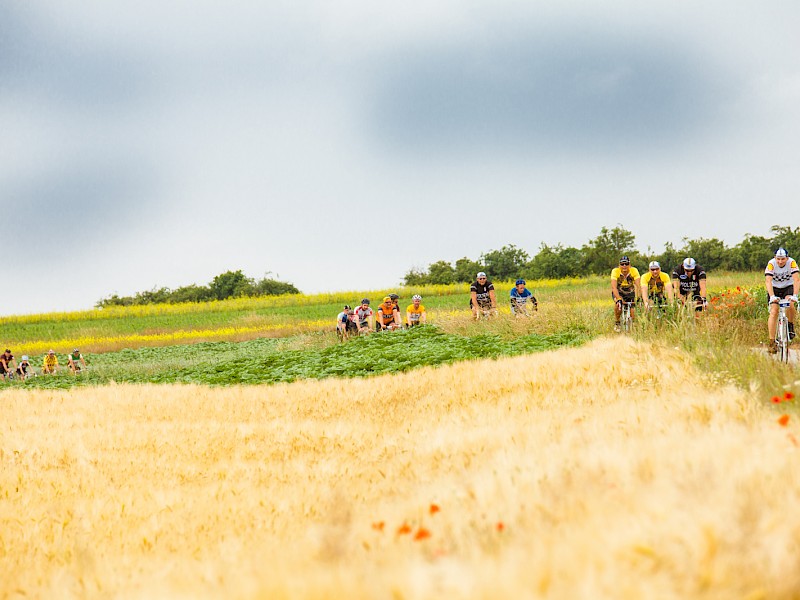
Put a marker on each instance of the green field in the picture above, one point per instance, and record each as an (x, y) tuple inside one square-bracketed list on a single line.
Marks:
[(268, 340)]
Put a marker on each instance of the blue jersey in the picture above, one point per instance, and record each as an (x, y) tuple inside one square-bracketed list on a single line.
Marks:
[(519, 300)]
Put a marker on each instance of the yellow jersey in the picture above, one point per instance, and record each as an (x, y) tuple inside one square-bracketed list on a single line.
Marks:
[(626, 284), (655, 285), (414, 314)]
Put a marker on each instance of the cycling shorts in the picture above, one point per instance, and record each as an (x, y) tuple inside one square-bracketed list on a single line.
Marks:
[(782, 292)]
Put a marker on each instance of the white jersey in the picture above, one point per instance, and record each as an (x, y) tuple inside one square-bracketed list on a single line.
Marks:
[(781, 276)]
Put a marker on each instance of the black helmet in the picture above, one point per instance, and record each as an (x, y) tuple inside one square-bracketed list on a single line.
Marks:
[(394, 296), (365, 301), (346, 307), (624, 260)]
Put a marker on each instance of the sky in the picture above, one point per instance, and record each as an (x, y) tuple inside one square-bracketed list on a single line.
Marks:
[(338, 144)]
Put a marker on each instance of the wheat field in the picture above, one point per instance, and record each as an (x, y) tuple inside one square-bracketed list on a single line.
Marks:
[(614, 470)]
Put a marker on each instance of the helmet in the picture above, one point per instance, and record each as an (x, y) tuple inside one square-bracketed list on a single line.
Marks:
[(689, 263), (520, 282), (24, 357), (346, 307), (365, 301), (394, 296), (655, 265), (481, 274), (387, 299), (624, 260), (781, 253), (416, 297)]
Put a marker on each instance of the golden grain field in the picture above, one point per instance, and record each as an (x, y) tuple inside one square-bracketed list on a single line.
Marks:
[(613, 470)]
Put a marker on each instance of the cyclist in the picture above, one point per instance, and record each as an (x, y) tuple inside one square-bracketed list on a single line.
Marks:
[(625, 283), (782, 281), (388, 316), (345, 323), (689, 279), (22, 368), (482, 296), (415, 313), (396, 301), (75, 360), (7, 364), (364, 317), (520, 296), (656, 287), (50, 363)]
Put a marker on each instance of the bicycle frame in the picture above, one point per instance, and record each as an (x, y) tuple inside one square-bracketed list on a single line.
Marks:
[(625, 319), (782, 331)]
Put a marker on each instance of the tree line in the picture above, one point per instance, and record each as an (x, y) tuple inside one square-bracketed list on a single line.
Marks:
[(231, 284), (601, 254)]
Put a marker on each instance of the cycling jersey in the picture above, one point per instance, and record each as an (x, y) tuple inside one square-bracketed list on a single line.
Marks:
[(519, 300), (50, 361), (362, 315), (626, 284), (414, 314), (482, 293), (689, 284), (386, 313), (782, 277), (655, 285)]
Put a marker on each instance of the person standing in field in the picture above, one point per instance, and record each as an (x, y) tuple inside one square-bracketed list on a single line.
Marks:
[(75, 361), (520, 296), (624, 288), (7, 364), (388, 316), (483, 300), (50, 363), (364, 317), (415, 313), (782, 281), (689, 280), (656, 287), (345, 323)]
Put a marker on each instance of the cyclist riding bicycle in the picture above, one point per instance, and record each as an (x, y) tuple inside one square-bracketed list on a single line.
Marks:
[(689, 279), (624, 288), (345, 323), (364, 316), (782, 280), (656, 287), (22, 368), (50, 363), (520, 296), (482, 296), (75, 360), (7, 364), (388, 316), (415, 313)]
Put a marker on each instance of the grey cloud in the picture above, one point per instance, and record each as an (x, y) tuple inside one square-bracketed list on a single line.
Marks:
[(535, 93)]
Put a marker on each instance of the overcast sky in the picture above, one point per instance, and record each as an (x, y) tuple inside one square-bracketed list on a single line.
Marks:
[(338, 144)]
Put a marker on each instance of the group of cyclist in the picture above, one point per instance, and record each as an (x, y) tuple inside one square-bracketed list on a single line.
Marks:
[(362, 319), (9, 369), (688, 284)]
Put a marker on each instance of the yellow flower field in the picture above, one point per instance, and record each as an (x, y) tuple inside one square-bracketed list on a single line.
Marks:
[(614, 470)]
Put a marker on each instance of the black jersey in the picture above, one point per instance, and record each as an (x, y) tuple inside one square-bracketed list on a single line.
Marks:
[(689, 284), (482, 293)]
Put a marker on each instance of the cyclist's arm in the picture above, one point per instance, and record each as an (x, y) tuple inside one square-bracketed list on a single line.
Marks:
[(768, 285), (670, 292), (493, 298), (474, 296), (615, 289), (703, 288), (637, 285), (408, 318), (644, 292), (796, 278)]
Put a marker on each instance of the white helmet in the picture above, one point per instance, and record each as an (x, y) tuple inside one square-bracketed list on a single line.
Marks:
[(654, 265), (689, 264), (416, 297), (781, 253)]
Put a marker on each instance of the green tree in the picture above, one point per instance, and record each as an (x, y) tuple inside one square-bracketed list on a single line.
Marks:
[(273, 287), (786, 237), (441, 272), (711, 253), (506, 263), (555, 262), (467, 269), (416, 277), (603, 252), (752, 253), (231, 284)]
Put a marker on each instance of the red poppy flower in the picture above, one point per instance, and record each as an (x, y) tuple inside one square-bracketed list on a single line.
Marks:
[(500, 526), (776, 400), (788, 396), (403, 529), (434, 509), (378, 526), (783, 421), (422, 534)]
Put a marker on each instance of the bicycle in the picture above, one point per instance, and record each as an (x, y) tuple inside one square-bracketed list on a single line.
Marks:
[(625, 318), (782, 340)]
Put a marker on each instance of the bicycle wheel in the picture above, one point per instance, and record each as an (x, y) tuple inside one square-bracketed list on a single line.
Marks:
[(782, 340)]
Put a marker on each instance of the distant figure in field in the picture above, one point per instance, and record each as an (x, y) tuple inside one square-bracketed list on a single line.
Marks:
[(7, 364), (689, 279), (75, 360), (346, 323), (520, 296), (415, 313), (625, 282), (50, 363), (482, 300), (364, 317), (388, 315), (782, 280), (22, 368)]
